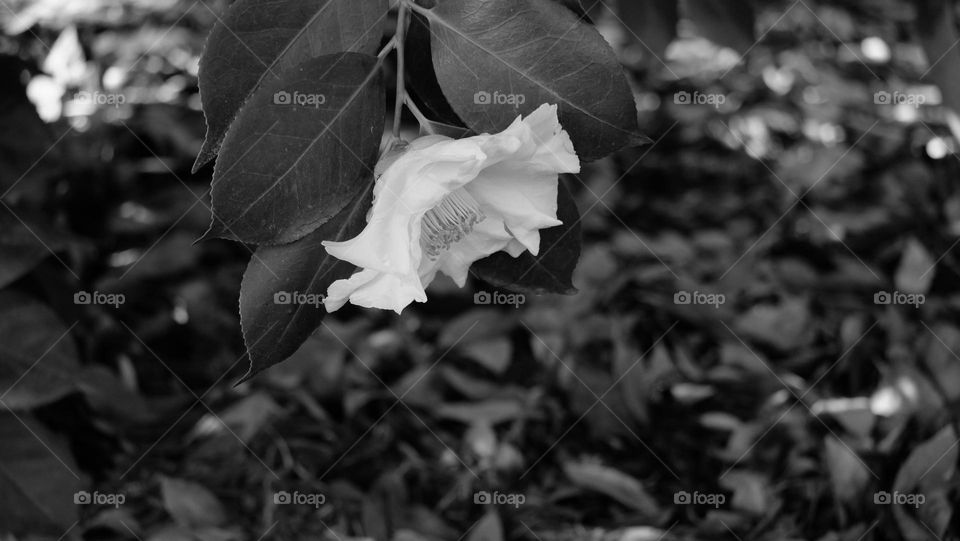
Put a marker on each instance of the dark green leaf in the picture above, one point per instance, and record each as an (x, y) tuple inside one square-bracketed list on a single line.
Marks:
[(502, 58), (38, 359), (549, 272), (257, 41), (585, 9), (421, 77), (286, 168), (274, 331), (38, 479)]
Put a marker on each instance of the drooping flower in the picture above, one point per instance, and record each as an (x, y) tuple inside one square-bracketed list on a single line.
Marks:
[(444, 203)]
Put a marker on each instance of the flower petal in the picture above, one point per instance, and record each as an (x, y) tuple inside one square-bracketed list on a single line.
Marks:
[(487, 237), (522, 189), (373, 289), (416, 182), (522, 195), (339, 292), (554, 147), (515, 248)]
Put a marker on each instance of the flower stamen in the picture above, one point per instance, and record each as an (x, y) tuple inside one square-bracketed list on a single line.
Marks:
[(448, 223)]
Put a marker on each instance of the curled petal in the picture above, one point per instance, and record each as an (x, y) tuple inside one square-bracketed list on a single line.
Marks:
[(521, 195), (416, 182), (522, 190), (373, 289), (554, 148)]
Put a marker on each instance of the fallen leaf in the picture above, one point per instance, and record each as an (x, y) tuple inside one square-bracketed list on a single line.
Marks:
[(190, 504), (751, 491), (488, 528), (614, 483), (916, 270), (38, 478), (489, 411), (941, 358), (927, 472), (783, 325), (847, 473)]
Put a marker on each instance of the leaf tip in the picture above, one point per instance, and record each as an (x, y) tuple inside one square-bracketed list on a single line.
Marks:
[(638, 139), (215, 231), (246, 377), (203, 158)]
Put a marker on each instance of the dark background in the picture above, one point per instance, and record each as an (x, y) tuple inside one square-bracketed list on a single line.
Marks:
[(789, 411)]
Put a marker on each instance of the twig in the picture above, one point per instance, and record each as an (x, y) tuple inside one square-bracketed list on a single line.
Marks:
[(399, 37)]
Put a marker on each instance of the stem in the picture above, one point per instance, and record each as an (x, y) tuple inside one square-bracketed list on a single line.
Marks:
[(400, 37), (391, 45), (412, 4), (421, 118)]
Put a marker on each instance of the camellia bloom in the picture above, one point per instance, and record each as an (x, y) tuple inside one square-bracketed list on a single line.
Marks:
[(444, 203)]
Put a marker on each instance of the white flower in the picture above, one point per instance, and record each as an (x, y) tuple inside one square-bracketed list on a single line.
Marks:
[(445, 203)]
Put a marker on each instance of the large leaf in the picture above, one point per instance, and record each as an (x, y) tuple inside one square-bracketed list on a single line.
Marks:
[(257, 41), (38, 479), (420, 75), (38, 359), (726, 23), (585, 9), (501, 58), (271, 330), (286, 168), (549, 272)]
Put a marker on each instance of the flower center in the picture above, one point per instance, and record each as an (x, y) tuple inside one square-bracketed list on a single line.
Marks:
[(449, 222)]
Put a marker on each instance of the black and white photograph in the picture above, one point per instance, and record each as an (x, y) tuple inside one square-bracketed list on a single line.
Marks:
[(479, 270)]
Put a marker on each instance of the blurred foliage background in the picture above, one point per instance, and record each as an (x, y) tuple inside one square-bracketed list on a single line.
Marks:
[(813, 176)]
